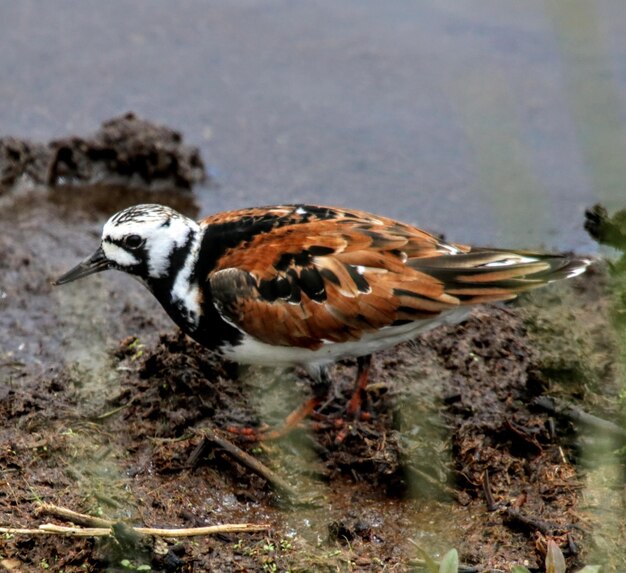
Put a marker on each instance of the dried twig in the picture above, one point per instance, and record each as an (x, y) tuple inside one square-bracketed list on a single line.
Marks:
[(25, 531), (52, 529), (248, 461), (98, 527), (73, 516), (208, 530), (575, 414), (491, 503), (514, 516)]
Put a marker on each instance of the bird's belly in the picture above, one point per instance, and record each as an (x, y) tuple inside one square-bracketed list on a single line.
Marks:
[(252, 351)]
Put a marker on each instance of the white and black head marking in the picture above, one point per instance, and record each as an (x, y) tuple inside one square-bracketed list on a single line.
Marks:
[(144, 239), (148, 241)]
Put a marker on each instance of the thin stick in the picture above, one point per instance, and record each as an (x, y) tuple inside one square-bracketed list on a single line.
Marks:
[(52, 529), (514, 516), (114, 411), (23, 531), (575, 414), (99, 527), (251, 463), (491, 504), (195, 531), (76, 531), (73, 516)]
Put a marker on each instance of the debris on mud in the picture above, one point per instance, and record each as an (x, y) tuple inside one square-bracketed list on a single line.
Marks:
[(452, 418), (126, 150)]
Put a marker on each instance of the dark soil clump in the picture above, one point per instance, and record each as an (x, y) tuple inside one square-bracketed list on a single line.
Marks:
[(20, 158), (125, 150)]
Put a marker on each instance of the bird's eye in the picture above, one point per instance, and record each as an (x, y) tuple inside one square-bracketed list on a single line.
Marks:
[(133, 241)]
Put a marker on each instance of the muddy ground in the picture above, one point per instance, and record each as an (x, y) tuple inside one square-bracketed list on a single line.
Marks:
[(494, 436)]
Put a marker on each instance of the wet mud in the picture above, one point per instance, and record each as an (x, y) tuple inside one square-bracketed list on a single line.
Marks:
[(470, 439)]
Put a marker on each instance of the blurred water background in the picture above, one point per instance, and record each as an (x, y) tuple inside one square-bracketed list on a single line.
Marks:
[(492, 121)]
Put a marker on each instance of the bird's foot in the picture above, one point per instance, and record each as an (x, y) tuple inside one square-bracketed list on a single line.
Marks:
[(290, 423), (343, 423)]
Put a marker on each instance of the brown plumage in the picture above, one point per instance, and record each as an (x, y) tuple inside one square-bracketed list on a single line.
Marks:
[(312, 279)]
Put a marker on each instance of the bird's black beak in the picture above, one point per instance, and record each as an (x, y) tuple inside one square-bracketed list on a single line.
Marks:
[(94, 264)]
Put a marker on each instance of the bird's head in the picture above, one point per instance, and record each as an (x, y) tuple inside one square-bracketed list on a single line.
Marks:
[(143, 240)]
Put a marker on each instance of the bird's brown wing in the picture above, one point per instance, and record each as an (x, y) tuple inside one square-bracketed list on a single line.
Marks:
[(332, 278)]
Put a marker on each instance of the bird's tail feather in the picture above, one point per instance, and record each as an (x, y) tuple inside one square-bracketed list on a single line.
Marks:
[(485, 275)]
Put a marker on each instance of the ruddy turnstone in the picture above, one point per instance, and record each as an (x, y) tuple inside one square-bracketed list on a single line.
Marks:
[(309, 285)]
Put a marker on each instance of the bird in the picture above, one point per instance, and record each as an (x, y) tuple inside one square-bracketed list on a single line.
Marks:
[(309, 285)]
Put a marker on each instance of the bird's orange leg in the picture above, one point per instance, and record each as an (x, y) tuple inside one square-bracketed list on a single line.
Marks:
[(321, 384), (355, 404), (292, 420), (356, 401)]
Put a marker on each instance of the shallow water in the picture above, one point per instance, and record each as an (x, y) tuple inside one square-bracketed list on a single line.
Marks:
[(489, 121)]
